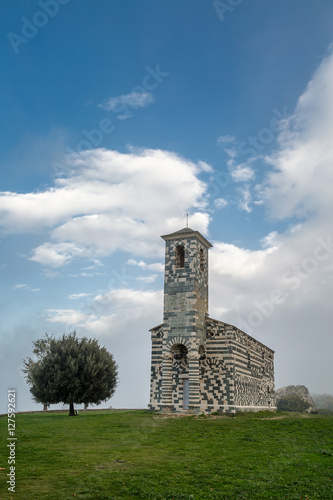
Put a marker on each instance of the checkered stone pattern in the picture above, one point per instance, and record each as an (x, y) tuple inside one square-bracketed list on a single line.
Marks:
[(227, 369), (251, 392), (213, 384), (156, 369), (249, 367), (185, 289), (180, 370)]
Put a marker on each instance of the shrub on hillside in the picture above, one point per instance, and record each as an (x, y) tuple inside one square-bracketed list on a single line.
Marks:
[(325, 411), (292, 402)]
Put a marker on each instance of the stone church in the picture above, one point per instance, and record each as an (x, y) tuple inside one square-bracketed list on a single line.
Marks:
[(200, 364)]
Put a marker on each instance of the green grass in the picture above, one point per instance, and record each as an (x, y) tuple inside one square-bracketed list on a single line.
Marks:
[(135, 454)]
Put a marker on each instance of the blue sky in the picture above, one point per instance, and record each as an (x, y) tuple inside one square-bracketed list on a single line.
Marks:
[(118, 119)]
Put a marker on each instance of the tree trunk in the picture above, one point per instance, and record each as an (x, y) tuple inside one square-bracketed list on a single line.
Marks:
[(71, 410)]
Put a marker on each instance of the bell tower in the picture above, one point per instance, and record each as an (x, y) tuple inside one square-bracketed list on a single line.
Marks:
[(184, 318), (185, 284)]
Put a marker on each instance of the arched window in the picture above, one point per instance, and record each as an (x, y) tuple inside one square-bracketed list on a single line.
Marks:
[(180, 256), (202, 352), (202, 260), (179, 351)]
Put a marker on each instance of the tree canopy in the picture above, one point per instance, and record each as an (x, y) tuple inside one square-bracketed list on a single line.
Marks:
[(70, 370)]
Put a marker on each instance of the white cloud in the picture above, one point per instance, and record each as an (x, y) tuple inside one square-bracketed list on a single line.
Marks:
[(122, 297), (270, 240), (227, 142), (157, 266), (70, 317), (242, 173), (107, 311), (147, 279), (122, 103), (226, 139), (111, 201), (204, 166), (301, 182), (75, 296), (140, 263), (246, 198), (24, 286), (231, 260), (239, 173), (281, 293), (95, 263), (58, 254), (31, 211), (83, 274), (220, 203)]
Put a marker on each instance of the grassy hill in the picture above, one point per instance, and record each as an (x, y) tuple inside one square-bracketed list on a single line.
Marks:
[(134, 454)]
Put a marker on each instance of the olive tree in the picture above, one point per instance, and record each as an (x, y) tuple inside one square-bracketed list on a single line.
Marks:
[(70, 370)]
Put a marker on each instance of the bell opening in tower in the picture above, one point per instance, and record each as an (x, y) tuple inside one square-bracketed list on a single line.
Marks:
[(180, 256)]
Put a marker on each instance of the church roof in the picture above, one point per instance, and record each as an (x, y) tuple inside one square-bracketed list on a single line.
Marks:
[(185, 233), (232, 327), (184, 230)]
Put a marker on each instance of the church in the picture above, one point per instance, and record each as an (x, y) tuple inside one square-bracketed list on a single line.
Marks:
[(200, 364)]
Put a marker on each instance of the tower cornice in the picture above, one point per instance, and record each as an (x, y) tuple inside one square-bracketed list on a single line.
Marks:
[(187, 232)]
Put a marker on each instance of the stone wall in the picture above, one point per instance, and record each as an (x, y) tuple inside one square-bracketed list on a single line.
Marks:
[(156, 368), (185, 289), (236, 372), (246, 370)]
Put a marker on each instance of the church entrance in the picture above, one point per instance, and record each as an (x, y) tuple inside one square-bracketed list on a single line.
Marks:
[(186, 393)]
